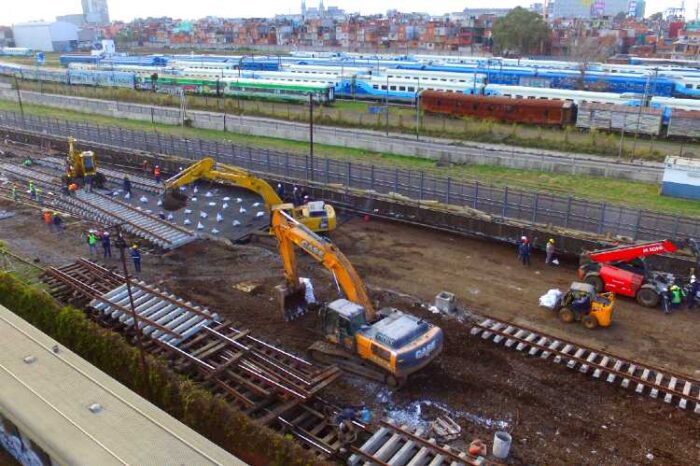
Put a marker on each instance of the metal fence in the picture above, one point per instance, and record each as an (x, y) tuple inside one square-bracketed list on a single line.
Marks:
[(502, 203)]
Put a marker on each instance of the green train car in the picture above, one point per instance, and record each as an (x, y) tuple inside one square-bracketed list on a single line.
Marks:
[(246, 88)]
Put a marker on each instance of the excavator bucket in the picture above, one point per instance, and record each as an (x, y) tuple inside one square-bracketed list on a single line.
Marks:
[(292, 301), (174, 199)]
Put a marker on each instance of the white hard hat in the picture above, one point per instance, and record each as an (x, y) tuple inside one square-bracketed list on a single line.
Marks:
[(692, 279), (523, 238)]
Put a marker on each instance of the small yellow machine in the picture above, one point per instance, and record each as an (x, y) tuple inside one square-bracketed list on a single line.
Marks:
[(80, 165), (318, 216), (386, 345), (581, 303)]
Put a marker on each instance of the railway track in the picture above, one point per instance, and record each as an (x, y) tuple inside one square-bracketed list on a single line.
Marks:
[(263, 380), (673, 388), (269, 384), (106, 210)]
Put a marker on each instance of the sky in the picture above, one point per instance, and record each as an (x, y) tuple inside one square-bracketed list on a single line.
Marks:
[(15, 11)]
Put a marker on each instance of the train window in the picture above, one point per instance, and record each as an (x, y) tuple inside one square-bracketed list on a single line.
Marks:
[(411, 89), (402, 88), (383, 87), (462, 81), (375, 86), (688, 86), (393, 88), (697, 87), (443, 79)]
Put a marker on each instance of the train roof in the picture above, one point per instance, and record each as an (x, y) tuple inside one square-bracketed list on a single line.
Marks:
[(79, 415)]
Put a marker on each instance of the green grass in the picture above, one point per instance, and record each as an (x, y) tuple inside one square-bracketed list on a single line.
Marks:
[(629, 193)]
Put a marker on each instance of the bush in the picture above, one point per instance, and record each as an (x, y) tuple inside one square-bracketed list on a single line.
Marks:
[(209, 415)]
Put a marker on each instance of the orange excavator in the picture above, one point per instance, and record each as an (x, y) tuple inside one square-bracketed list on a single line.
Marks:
[(623, 270), (386, 345)]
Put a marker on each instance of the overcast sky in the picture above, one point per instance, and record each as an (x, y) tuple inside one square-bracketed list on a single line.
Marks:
[(14, 11)]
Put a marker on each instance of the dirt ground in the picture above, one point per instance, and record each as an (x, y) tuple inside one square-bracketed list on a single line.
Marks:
[(556, 416)]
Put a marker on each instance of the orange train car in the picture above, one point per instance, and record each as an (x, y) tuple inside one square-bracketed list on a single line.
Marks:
[(505, 109)]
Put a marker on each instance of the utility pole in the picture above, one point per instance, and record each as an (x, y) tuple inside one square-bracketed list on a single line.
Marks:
[(19, 99), (311, 134), (386, 107), (121, 244), (418, 111)]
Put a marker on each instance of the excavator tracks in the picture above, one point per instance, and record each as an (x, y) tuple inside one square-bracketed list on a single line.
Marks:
[(679, 390)]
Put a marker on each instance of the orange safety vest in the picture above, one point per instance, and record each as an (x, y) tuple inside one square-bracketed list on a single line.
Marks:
[(73, 187), (47, 217), (156, 171)]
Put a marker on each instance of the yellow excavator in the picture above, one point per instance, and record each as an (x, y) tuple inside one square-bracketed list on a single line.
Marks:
[(80, 165), (386, 345), (318, 215)]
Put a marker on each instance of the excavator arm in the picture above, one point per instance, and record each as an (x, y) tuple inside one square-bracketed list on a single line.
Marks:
[(208, 169), (291, 233)]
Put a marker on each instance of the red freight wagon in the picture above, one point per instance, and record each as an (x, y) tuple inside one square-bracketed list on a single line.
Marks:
[(510, 110)]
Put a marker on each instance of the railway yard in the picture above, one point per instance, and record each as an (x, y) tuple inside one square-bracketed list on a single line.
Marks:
[(628, 394)]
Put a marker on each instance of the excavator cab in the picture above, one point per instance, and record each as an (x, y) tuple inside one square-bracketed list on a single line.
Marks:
[(341, 320)]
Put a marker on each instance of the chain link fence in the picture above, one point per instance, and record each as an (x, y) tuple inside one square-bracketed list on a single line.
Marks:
[(502, 203)]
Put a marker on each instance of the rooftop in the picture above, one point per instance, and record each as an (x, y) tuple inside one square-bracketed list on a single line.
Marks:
[(79, 415)]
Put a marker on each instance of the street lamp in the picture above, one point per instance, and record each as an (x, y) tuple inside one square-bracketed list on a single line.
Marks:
[(311, 135)]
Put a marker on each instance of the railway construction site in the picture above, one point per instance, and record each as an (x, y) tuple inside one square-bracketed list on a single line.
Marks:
[(207, 299)]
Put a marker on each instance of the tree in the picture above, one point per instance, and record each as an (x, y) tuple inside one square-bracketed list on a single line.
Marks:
[(521, 31), (656, 17)]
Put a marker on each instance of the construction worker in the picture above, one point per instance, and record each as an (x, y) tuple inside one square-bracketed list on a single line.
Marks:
[(106, 245), (126, 185), (677, 295), (296, 196), (156, 173), (57, 223), (72, 188), (144, 165), (92, 242), (136, 257), (524, 250), (693, 289), (88, 183), (549, 250), (32, 189), (48, 220), (28, 162), (13, 192), (37, 195), (280, 190)]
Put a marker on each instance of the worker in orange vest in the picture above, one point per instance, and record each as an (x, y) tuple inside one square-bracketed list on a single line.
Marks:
[(156, 173), (47, 219)]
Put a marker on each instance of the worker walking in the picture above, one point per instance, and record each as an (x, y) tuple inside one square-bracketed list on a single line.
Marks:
[(106, 245), (549, 250), (280, 190), (347, 433), (126, 186), (524, 252), (88, 183), (92, 242), (156, 173), (136, 257), (32, 190)]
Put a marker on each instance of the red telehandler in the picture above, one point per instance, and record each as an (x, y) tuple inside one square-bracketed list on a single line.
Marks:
[(623, 270)]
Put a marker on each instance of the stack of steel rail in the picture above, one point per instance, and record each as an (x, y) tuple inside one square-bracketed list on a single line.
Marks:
[(681, 390), (106, 210), (262, 379)]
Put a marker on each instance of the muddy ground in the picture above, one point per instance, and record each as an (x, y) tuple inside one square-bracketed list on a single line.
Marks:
[(556, 416)]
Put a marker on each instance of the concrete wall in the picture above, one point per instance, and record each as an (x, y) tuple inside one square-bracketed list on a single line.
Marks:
[(429, 148)]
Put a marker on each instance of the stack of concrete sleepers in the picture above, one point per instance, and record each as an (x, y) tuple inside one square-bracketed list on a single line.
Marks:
[(182, 318)]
